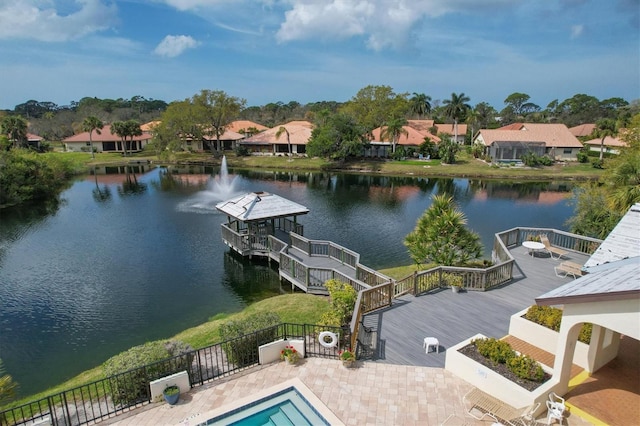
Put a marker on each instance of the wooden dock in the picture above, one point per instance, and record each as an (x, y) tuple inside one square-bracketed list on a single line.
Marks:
[(399, 331)]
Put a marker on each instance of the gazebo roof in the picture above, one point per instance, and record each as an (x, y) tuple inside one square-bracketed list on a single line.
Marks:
[(260, 205)]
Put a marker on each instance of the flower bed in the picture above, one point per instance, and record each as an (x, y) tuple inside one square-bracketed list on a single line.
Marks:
[(471, 351)]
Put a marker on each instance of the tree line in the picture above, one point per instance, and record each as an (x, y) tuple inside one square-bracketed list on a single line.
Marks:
[(54, 122)]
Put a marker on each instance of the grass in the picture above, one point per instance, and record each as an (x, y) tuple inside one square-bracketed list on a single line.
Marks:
[(400, 272), (465, 166), (295, 308)]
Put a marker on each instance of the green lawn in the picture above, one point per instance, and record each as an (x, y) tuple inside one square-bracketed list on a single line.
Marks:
[(294, 308), (466, 166)]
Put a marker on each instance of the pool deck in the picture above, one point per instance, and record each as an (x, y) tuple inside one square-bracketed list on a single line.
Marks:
[(371, 394)]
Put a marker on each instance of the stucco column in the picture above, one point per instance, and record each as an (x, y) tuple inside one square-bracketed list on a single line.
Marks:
[(567, 339), (603, 347)]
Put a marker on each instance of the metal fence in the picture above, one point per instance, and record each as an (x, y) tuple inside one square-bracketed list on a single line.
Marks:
[(127, 391)]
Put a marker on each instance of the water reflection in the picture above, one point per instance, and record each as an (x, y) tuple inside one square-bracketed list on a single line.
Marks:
[(253, 280), (80, 284)]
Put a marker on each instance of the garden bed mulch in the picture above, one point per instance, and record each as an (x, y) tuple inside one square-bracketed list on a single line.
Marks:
[(472, 352)]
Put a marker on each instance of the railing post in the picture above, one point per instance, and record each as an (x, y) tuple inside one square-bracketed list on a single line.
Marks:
[(415, 283)]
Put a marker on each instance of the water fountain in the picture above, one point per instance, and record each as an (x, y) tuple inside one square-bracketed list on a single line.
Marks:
[(220, 188)]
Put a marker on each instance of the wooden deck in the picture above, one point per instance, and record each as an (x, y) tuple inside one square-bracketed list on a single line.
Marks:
[(451, 318)]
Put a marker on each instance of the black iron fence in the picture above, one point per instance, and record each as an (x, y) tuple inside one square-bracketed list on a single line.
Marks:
[(127, 391)]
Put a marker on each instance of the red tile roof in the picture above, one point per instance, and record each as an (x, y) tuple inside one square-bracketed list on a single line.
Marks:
[(299, 134), (413, 136), (582, 130), (236, 126), (608, 141), (104, 136), (31, 137), (553, 135)]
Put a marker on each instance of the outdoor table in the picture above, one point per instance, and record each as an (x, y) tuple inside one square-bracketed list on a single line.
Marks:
[(533, 247)]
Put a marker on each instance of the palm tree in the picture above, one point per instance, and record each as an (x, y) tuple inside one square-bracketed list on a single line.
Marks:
[(279, 133), (473, 119), (393, 129), (15, 127), (7, 387), (604, 127), (90, 124), (420, 104), (456, 109), (441, 236)]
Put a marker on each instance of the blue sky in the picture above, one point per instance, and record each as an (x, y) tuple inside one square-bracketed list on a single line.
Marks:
[(314, 50)]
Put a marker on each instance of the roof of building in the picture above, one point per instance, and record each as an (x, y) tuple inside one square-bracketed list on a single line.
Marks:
[(413, 136), (228, 135), (553, 135), (582, 130), (260, 205), (238, 125), (32, 137), (104, 136), (446, 128), (608, 141), (147, 127), (299, 134), (612, 283), (622, 242)]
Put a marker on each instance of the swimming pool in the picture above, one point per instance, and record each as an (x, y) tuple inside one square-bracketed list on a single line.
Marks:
[(284, 408), (290, 403)]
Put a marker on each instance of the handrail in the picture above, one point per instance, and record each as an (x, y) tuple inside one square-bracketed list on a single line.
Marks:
[(92, 402)]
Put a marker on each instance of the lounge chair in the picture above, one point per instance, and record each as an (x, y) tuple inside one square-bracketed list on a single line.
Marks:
[(483, 404), (568, 268), (551, 249)]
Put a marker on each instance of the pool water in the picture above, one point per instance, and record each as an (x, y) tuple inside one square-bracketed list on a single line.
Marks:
[(284, 408)]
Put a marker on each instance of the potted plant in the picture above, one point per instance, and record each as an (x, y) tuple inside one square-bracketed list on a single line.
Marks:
[(171, 394), (454, 281), (348, 358), (290, 355)]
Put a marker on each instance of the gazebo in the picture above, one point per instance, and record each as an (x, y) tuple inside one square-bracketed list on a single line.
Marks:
[(255, 219)]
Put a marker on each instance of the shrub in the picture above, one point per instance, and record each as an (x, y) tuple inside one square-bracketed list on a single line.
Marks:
[(551, 318), (583, 155), (597, 163), (497, 351), (449, 279), (242, 337), (242, 151), (130, 383), (343, 300), (500, 352), (526, 367)]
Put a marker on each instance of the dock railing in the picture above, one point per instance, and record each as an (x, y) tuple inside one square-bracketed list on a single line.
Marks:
[(482, 279)]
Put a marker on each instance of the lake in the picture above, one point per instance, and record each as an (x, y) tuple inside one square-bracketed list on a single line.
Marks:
[(125, 258)]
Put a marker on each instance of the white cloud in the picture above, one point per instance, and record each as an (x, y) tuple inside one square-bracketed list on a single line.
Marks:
[(172, 46), (39, 20), (576, 31), (385, 23)]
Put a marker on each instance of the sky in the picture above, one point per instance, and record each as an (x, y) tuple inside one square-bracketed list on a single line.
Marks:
[(318, 50)]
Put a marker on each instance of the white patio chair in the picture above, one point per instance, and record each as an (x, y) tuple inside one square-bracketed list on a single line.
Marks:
[(554, 412)]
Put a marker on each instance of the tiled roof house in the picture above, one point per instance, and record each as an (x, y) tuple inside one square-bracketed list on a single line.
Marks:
[(104, 142), (266, 143), (582, 130), (510, 143), (611, 145), (416, 132)]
